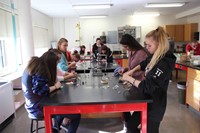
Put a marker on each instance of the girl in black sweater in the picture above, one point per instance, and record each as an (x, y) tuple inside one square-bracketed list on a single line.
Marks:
[(157, 69), (106, 51)]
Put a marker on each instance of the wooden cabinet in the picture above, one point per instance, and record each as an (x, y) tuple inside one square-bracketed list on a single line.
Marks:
[(179, 32), (193, 88), (170, 29), (189, 30), (176, 32), (124, 62)]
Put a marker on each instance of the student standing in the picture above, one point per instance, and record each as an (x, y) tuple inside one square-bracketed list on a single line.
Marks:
[(96, 48), (136, 55), (171, 48), (157, 70)]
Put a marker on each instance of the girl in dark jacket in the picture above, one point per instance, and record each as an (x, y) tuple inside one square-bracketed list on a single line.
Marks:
[(157, 74), (106, 51)]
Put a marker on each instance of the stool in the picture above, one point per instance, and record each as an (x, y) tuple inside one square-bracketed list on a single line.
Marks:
[(36, 120), (36, 128)]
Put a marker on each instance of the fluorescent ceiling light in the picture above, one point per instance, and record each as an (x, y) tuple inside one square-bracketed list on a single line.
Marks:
[(102, 16), (165, 4), (150, 14), (92, 6)]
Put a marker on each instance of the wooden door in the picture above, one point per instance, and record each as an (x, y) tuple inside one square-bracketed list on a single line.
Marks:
[(170, 29), (189, 30), (193, 88), (179, 33)]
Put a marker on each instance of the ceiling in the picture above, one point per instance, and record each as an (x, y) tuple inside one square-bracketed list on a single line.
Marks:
[(63, 8)]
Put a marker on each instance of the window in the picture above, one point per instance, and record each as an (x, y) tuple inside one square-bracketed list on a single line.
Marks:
[(2, 55), (10, 52)]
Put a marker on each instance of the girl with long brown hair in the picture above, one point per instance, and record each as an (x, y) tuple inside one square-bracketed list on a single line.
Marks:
[(38, 81)]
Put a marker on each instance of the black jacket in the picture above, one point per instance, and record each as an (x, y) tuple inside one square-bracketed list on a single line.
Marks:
[(95, 50), (156, 83)]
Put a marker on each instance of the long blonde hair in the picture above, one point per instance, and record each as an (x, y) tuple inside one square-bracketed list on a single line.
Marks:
[(60, 42), (160, 37)]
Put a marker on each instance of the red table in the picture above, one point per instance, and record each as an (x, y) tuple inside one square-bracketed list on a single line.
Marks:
[(180, 66), (95, 108), (92, 97)]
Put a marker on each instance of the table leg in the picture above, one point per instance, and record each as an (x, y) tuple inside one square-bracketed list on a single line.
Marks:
[(176, 73), (144, 119), (47, 120)]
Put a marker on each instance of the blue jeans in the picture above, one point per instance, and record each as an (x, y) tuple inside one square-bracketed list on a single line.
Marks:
[(74, 118)]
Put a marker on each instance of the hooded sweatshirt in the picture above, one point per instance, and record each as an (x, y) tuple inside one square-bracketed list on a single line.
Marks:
[(156, 83)]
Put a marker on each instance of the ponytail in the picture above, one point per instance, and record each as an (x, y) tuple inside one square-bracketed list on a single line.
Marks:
[(160, 37)]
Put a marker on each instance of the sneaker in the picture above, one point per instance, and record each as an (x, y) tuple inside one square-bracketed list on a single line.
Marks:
[(170, 81), (139, 126), (64, 127), (125, 126)]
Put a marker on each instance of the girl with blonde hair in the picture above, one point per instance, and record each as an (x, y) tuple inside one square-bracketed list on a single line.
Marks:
[(62, 47), (157, 68)]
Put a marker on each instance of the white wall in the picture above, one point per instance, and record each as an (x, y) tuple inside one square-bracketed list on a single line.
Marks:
[(91, 28), (42, 31), (194, 19)]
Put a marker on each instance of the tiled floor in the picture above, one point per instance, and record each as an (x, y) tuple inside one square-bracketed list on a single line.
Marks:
[(178, 119)]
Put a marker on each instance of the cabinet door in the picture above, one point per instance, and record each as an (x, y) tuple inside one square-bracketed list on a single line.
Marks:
[(189, 30), (193, 88), (170, 29), (193, 93), (6, 102), (176, 32), (190, 91), (179, 30)]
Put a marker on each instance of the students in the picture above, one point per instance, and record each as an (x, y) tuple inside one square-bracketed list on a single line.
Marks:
[(193, 46), (136, 55), (62, 75), (157, 70), (106, 51), (74, 57), (96, 48), (39, 80), (82, 50), (62, 46), (171, 48)]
